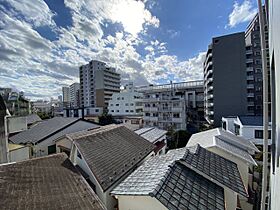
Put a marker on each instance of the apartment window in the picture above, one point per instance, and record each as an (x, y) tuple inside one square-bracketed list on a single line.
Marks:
[(112, 111), (126, 104), (118, 98), (131, 104), (112, 105), (117, 104), (259, 62), (126, 111), (122, 98), (176, 115), (147, 114), (155, 114), (259, 134), (118, 110), (131, 110)]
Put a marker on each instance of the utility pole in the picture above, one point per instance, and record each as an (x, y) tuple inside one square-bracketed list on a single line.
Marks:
[(265, 107)]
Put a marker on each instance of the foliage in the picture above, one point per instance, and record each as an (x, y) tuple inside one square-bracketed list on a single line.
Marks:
[(106, 119), (177, 139), (44, 115)]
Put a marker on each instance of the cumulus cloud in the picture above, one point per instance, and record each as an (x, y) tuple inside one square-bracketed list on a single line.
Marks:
[(241, 13), (40, 67)]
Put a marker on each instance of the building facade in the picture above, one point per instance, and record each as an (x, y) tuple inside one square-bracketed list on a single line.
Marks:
[(254, 67), (274, 52), (178, 106), (66, 96), (126, 103), (225, 88), (98, 82), (75, 95)]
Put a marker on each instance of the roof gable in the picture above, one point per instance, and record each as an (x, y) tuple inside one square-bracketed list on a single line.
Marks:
[(110, 153)]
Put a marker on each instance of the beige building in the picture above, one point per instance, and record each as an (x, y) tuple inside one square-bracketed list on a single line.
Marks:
[(98, 82)]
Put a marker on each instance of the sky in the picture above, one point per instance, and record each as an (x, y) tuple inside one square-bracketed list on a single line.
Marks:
[(43, 42)]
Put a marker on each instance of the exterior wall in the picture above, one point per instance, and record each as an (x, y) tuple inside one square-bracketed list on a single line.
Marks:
[(64, 142), (97, 84), (178, 105), (126, 103), (225, 85), (66, 94), (139, 203), (19, 154), (74, 94), (16, 124), (274, 47), (3, 133), (230, 200)]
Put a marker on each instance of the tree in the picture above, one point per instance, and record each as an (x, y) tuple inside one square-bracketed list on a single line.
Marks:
[(106, 119), (177, 139)]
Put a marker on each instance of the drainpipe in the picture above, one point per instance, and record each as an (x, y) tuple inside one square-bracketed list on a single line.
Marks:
[(265, 107)]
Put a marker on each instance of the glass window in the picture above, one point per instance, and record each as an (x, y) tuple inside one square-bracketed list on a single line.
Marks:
[(259, 134)]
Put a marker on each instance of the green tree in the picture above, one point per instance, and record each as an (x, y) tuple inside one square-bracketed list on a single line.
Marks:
[(178, 139), (106, 119)]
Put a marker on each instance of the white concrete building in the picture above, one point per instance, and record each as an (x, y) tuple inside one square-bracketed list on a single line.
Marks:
[(98, 82), (274, 52), (248, 127), (75, 94), (178, 105), (126, 103), (42, 106)]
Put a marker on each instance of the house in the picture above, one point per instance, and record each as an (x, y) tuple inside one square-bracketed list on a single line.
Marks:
[(107, 156), (156, 136), (249, 127), (18, 152), (233, 148), (41, 137), (50, 182), (186, 178)]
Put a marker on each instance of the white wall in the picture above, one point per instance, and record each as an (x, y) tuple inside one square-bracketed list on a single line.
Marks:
[(19, 154), (139, 203), (230, 199)]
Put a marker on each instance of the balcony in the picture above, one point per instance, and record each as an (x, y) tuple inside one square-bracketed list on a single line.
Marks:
[(207, 66), (177, 109), (249, 69), (249, 52), (150, 109), (177, 120), (251, 103), (165, 119), (208, 73), (249, 60), (250, 77), (250, 86), (250, 95), (165, 109), (150, 118)]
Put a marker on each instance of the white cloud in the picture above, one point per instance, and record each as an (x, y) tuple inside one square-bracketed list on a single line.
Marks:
[(241, 13), (36, 12)]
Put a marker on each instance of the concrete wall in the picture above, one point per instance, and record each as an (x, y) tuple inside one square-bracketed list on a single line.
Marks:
[(139, 203), (229, 73), (19, 154), (16, 124), (274, 45), (230, 200)]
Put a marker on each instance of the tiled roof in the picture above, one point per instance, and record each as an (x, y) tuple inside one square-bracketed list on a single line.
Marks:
[(217, 168), (146, 178), (32, 118), (111, 152), (184, 189), (51, 182), (251, 120), (234, 150), (43, 130), (151, 134)]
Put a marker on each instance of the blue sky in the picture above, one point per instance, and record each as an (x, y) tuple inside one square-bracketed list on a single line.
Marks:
[(43, 42)]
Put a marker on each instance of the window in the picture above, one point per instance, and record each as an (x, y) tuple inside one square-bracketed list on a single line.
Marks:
[(118, 98), (126, 111), (126, 104), (131, 110), (237, 129), (79, 155), (176, 115), (117, 104), (224, 125), (259, 134), (51, 149), (147, 114), (118, 110), (112, 111), (131, 104)]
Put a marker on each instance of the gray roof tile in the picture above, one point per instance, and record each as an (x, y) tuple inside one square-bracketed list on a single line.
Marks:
[(51, 182), (32, 118), (111, 152), (184, 189), (43, 130), (215, 167), (151, 134), (251, 120)]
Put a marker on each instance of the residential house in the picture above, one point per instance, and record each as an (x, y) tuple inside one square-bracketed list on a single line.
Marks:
[(248, 127), (233, 148), (107, 156), (156, 136), (186, 178), (50, 182), (41, 137)]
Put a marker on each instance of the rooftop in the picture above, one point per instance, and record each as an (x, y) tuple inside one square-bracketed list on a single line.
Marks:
[(51, 182), (251, 120), (44, 130), (32, 118), (152, 134), (185, 189), (111, 151), (208, 165)]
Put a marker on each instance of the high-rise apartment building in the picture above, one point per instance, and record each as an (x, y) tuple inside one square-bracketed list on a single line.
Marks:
[(254, 67), (175, 105), (75, 94), (98, 82), (274, 54), (66, 96), (225, 82)]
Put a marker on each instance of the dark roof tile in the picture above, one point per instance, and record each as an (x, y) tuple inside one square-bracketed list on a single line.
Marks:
[(51, 182)]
